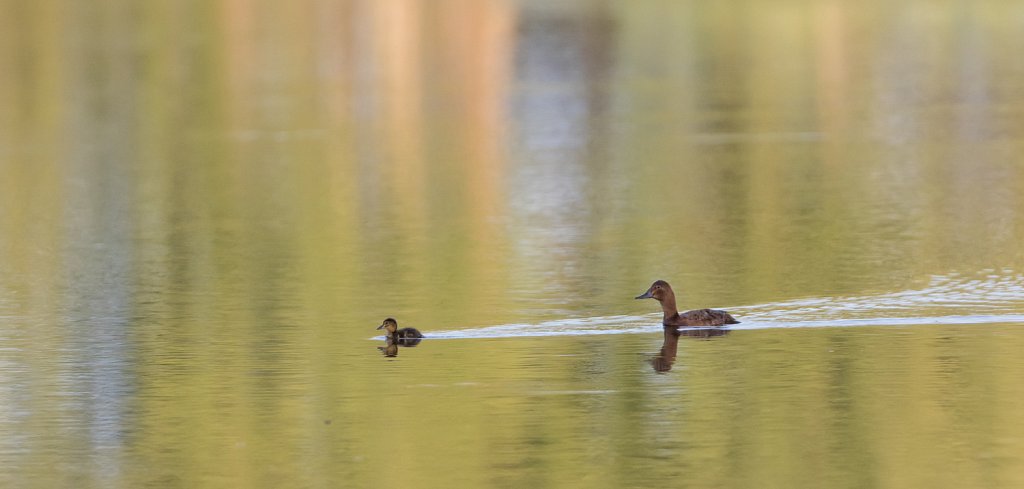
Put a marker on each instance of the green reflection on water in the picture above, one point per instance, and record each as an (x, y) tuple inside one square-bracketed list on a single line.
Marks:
[(205, 209)]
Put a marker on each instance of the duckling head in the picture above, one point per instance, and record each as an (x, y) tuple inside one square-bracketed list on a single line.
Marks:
[(659, 290), (389, 325)]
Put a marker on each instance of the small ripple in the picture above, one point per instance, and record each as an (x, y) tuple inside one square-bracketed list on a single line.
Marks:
[(594, 392)]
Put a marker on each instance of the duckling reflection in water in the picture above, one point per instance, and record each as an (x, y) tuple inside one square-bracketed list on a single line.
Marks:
[(662, 292), (403, 337), (662, 362), (390, 349)]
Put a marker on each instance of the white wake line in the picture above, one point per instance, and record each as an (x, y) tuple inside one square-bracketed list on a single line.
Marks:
[(628, 325), (995, 299)]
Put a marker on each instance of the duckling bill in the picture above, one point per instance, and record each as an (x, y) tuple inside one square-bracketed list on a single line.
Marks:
[(661, 291), (390, 326)]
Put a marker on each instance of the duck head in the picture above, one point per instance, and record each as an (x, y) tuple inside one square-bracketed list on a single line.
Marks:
[(389, 325), (659, 290)]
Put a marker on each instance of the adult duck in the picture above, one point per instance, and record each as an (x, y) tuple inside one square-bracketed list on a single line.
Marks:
[(662, 292), (393, 333)]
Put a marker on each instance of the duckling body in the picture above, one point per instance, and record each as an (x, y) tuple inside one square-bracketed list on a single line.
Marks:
[(662, 292), (391, 328)]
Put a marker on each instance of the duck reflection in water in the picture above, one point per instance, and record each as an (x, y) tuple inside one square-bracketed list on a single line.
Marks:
[(395, 337), (390, 348), (662, 362)]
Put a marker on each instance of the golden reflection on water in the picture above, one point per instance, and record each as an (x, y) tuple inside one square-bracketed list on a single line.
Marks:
[(205, 207)]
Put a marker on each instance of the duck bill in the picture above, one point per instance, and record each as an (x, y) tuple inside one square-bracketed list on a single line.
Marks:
[(381, 326), (645, 295)]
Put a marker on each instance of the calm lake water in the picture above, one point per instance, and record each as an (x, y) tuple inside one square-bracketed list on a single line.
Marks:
[(207, 207)]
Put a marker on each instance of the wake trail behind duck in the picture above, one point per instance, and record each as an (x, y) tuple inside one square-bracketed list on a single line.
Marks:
[(949, 299)]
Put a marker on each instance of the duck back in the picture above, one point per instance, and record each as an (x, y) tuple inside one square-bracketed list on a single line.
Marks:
[(705, 317)]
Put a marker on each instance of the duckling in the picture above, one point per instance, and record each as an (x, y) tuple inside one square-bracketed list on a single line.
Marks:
[(662, 291), (391, 327)]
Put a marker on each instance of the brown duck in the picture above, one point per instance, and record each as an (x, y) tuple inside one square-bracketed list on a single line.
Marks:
[(393, 333), (662, 291)]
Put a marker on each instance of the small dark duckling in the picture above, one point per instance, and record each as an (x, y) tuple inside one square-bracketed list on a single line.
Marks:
[(662, 291), (391, 327)]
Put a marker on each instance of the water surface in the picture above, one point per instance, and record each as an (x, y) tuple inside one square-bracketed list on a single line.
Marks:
[(205, 209)]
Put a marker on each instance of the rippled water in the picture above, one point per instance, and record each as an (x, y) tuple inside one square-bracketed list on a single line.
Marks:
[(206, 209)]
